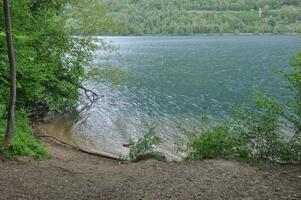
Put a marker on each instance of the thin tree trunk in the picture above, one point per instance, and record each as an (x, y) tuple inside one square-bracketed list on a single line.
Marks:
[(12, 64)]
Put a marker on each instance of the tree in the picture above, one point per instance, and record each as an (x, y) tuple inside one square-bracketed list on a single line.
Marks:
[(12, 64), (52, 61), (211, 16)]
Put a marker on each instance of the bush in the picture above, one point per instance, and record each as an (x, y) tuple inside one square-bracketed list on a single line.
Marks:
[(144, 147), (293, 105), (24, 143), (290, 152), (214, 142), (254, 133), (258, 127)]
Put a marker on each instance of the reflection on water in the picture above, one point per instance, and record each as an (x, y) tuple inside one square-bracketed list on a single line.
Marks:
[(175, 81)]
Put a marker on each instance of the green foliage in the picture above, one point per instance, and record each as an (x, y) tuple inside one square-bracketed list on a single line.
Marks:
[(24, 143), (293, 105), (113, 75), (290, 152), (89, 18), (214, 142), (186, 17), (259, 127), (50, 62), (254, 133), (2, 111), (184, 144), (262, 129), (144, 147)]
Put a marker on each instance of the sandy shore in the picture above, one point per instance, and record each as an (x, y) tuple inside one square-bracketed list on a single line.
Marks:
[(75, 175)]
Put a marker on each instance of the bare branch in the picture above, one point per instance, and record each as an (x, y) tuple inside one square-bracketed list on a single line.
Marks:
[(90, 95)]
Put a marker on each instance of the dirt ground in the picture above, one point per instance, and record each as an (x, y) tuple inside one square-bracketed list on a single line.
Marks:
[(74, 175)]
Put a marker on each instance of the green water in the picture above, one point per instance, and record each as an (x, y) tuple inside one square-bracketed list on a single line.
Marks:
[(178, 79), (190, 75)]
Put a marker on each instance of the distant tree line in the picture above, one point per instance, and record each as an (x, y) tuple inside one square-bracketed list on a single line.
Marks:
[(186, 17)]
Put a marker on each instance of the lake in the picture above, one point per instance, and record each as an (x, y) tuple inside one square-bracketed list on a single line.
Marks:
[(174, 81)]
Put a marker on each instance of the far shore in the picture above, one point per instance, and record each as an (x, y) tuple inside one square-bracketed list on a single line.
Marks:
[(207, 34)]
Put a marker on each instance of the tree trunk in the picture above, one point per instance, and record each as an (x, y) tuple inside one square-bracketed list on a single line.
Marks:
[(12, 64)]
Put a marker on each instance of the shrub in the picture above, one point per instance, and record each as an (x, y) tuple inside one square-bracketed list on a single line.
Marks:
[(24, 143), (184, 143), (144, 147), (254, 133), (293, 105), (258, 127), (214, 142), (290, 152)]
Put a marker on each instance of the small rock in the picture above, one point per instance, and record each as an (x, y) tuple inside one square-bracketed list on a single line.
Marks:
[(126, 145)]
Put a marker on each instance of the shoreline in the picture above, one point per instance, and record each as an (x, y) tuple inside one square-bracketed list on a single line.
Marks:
[(209, 34), (71, 174)]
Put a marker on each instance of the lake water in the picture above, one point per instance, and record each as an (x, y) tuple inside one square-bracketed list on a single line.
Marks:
[(175, 80)]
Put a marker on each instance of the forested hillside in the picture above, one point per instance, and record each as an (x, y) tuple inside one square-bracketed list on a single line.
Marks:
[(184, 17)]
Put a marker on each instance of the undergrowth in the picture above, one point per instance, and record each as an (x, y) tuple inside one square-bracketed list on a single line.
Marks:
[(254, 133), (24, 143)]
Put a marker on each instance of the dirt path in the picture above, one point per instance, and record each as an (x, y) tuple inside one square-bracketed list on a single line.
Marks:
[(75, 175)]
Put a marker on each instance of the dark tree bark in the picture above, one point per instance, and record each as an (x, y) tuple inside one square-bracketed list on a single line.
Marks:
[(12, 64)]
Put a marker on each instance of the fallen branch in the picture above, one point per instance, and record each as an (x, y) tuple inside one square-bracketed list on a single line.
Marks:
[(77, 148)]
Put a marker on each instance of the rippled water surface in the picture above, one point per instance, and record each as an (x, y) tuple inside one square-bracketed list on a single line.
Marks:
[(177, 79)]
